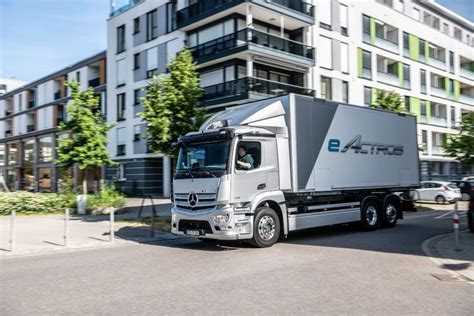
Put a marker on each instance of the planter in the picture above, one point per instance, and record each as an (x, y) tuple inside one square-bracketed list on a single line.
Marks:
[(107, 210)]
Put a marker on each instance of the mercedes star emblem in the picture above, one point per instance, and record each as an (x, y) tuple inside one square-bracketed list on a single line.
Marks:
[(192, 199)]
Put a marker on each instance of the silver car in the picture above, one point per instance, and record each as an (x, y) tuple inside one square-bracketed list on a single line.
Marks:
[(438, 191)]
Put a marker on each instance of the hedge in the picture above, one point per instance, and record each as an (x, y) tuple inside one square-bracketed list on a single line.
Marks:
[(30, 203)]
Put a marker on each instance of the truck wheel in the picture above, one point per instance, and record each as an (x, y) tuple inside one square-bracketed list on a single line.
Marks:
[(390, 213), (370, 216), (266, 228), (440, 199)]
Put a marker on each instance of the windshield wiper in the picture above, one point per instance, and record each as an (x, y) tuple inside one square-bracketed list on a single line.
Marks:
[(206, 169)]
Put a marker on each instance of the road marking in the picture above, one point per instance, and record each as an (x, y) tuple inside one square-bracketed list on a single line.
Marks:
[(461, 214)]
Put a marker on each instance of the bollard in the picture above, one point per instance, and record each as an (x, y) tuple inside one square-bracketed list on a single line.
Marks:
[(456, 225), (12, 230), (152, 225), (66, 227), (112, 230)]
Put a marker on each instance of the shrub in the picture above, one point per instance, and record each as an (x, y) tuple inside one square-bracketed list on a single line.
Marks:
[(31, 203), (107, 197)]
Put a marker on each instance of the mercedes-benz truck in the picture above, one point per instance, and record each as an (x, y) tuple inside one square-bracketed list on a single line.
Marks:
[(261, 170)]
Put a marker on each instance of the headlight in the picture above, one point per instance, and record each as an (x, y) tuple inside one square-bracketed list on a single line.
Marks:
[(224, 220), (173, 218)]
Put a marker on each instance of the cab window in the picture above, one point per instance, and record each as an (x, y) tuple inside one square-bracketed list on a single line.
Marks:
[(248, 156)]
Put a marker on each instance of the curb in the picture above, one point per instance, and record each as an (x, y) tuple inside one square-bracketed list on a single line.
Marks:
[(440, 262)]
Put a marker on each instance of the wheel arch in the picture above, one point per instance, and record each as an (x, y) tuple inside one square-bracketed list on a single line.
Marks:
[(398, 201), (276, 201)]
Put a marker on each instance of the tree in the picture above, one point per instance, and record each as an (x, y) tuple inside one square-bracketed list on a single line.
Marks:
[(171, 104), (88, 146), (388, 100), (461, 146)]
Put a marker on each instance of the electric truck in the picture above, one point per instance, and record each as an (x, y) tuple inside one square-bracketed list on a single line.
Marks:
[(261, 170)]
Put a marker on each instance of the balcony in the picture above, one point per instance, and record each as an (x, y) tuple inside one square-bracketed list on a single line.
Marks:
[(8, 133), (423, 119), (94, 82), (386, 44), (298, 13), (439, 121), (31, 104), (119, 6), (466, 73), (8, 112), (438, 92), (59, 120), (437, 150), (261, 43), (466, 99), (30, 128), (438, 63), (121, 150), (388, 78), (250, 88)]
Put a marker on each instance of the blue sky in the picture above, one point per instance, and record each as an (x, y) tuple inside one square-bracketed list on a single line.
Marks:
[(38, 37)]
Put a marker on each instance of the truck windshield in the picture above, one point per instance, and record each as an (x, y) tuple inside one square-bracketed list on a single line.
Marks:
[(207, 157)]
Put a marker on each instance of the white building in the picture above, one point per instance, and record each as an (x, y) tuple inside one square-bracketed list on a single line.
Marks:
[(249, 49), (29, 120), (7, 85)]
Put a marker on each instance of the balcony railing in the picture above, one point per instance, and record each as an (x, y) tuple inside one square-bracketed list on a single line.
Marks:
[(8, 111), (205, 7), (59, 120), (30, 128), (94, 82), (31, 104), (386, 44), (247, 36), (466, 73), (367, 73), (423, 119), (8, 133), (388, 78), (466, 99), (438, 92), (437, 150), (436, 63), (123, 5), (438, 121), (252, 85)]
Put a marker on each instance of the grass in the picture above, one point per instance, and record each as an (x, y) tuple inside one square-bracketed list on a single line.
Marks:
[(162, 223)]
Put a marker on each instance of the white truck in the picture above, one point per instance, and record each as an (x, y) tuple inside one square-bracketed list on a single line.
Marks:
[(261, 170)]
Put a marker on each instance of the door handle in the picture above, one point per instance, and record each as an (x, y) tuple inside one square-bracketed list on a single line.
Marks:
[(261, 186)]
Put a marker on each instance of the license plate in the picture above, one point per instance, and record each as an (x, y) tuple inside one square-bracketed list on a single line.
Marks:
[(193, 232)]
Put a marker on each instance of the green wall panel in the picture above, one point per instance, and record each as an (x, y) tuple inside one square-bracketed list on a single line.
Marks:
[(415, 107), (372, 30), (360, 61), (400, 73), (457, 90), (414, 46), (428, 111)]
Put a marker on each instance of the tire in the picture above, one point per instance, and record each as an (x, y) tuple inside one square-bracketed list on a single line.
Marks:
[(370, 215), (390, 212), (470, 220), (266, 228), (440, 199)]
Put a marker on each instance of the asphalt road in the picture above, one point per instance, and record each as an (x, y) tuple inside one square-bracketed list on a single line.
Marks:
[(336, 270)]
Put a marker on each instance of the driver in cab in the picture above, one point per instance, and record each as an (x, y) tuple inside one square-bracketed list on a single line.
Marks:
[(244, 160)]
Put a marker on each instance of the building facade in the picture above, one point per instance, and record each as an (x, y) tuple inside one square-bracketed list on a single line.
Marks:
[(29, 120), (7, 85), (250, 49)]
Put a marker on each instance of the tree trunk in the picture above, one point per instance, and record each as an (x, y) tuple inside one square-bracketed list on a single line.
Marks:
[(84, 182)]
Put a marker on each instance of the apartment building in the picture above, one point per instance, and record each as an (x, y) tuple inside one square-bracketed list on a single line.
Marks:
[(7, 85), (251, 49), (29, 120)]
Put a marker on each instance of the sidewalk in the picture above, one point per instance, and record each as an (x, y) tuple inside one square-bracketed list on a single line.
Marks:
[(442, 250), (37, 234)]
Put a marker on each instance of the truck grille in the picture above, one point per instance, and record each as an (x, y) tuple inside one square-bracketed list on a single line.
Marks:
[(205, 202)]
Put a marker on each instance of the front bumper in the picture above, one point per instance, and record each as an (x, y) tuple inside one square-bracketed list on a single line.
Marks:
[(239, 228)]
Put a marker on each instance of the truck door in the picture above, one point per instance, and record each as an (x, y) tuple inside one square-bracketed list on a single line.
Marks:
[(260, 176)]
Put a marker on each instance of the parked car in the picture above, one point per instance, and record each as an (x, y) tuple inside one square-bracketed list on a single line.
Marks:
[(468, 178), (466, 187), (438, 191), (470, 214)]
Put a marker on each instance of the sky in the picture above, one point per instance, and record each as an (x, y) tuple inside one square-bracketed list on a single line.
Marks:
[(38, 37)]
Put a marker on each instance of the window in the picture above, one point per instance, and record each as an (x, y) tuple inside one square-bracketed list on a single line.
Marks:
[(249, 155), (453, 117), (121, 141), (12, 151), (345, 92), (136, 25), (20, 102), (416, 14), (29, 151), (343, 11), (446, 28), (152, 61), (137, 132), (171, 13), (366, 64), (121, 73), (344, 57), (406, 44), (451, 62), (325, 52), (366, 24), (121, 172), (3, 155), (120, 39), (151, 25), (423, 80), (367, 96), (136, 61), (325, 88), (422, 49), (406, 72), (78, 76), (325, 16), (136, 96), (423, 108), (45, 149), (121, 107), (457, 33)]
